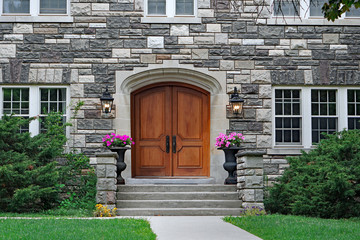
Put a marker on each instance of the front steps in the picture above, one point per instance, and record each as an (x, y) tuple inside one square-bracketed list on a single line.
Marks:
[(177, 200)]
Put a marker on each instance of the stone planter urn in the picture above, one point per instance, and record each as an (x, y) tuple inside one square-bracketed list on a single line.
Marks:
[(230, 164), (120, 163)]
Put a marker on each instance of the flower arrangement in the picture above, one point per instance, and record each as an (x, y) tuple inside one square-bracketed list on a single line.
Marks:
[(114, 140), (232, 140), (103, 211)]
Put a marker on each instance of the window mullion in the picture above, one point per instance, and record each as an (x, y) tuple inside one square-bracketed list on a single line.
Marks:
[(306, 111), (170, 8), (34, 101), (34, 7), (342, 112)]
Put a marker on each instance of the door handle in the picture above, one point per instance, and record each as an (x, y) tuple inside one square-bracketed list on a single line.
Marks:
[(174, 144), (167, 144)]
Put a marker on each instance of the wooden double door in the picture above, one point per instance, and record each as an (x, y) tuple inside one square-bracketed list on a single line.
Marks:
[(171, 129)]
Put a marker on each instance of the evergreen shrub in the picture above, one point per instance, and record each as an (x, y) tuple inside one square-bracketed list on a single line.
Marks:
[(30, 177), (325, 182)]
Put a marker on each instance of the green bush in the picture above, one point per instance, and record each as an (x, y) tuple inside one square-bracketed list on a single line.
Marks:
[(323, 183), (30, 177)]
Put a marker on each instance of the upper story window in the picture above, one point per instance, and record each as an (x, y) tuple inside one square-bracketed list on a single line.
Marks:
[(35, 10), (302, 115), (31, 101), (306, 9), (171, 11)]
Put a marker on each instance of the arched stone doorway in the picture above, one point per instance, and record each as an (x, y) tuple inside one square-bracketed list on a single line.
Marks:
[(213, 82), (171, 127)]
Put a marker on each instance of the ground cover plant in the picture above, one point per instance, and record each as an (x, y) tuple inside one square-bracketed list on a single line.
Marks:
[(322, 183), (44, 229), (286, 227)]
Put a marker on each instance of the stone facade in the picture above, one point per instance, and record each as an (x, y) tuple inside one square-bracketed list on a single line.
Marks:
[(108, 37)]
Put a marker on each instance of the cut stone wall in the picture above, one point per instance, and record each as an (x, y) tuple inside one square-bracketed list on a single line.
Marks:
[(106, 179), (108, 37)]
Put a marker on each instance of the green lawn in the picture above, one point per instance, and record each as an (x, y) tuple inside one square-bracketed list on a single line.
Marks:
[(282, 227), (73, 229)]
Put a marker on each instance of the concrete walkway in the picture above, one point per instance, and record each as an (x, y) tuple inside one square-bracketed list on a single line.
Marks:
[(196, 228)]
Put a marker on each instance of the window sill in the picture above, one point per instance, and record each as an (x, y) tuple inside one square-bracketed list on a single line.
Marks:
[(286, 151), (179, 20), (314, 21), (54, 18)]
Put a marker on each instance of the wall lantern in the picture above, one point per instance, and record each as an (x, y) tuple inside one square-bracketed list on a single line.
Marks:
[(106, 101), (236, 103)]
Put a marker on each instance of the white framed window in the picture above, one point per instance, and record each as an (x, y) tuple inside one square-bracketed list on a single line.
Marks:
[(170, 11), (35, 10), (302, 114), (34, 101), (308, 12)]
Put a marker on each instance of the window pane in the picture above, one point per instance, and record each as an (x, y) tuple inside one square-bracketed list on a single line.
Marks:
[(278, 109), (44, 94), (286, 8), (296, 135), (16, 6), (315, 7), (278, 136), (296, 109), (278, 122), (287, 109), (351, 95), (53, 6), (314, 95), (353, 12), (287, 136), (296, 122), (7, 94), (278, 93), (184, 7), (53, 94), (323, 95), (287, 122), (315, 109), (156, 7)]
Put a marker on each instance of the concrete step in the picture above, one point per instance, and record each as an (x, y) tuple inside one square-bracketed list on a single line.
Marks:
[(177, 188), (178, 204), (177, 195), (179, 212)]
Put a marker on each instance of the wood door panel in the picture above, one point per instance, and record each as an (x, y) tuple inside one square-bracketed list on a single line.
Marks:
[(152, 115), (189, 121), (152, 157), (190, 157)]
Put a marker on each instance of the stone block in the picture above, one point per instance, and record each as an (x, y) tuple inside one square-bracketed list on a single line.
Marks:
[(121, 53), (264, 141), (80, 9), (100, 6), (199, 54), (110, 199), (103, 124), (148, 58), (179, 30), (101, 171), (213, 27), (77, 90), (85, 124), (226, 65), (260, 76), (106, 161), (79, 141), (240, 64), (221, 38), (253, 181), (106, 184), (23, 28), (13, 37), (253, 42), (155, 42), (264, 91), (263, 115), (298, 44), (252, 161), (110, 171), (101, 197), (7, 50), (330, 38)]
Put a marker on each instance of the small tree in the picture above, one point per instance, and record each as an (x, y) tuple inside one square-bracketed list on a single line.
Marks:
[(324, 182)]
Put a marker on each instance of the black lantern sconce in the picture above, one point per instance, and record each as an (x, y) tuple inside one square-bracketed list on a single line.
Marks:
[(106, 101), (236, 103)]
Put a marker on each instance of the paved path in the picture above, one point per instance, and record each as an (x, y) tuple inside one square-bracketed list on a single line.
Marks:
[(196, 228)]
